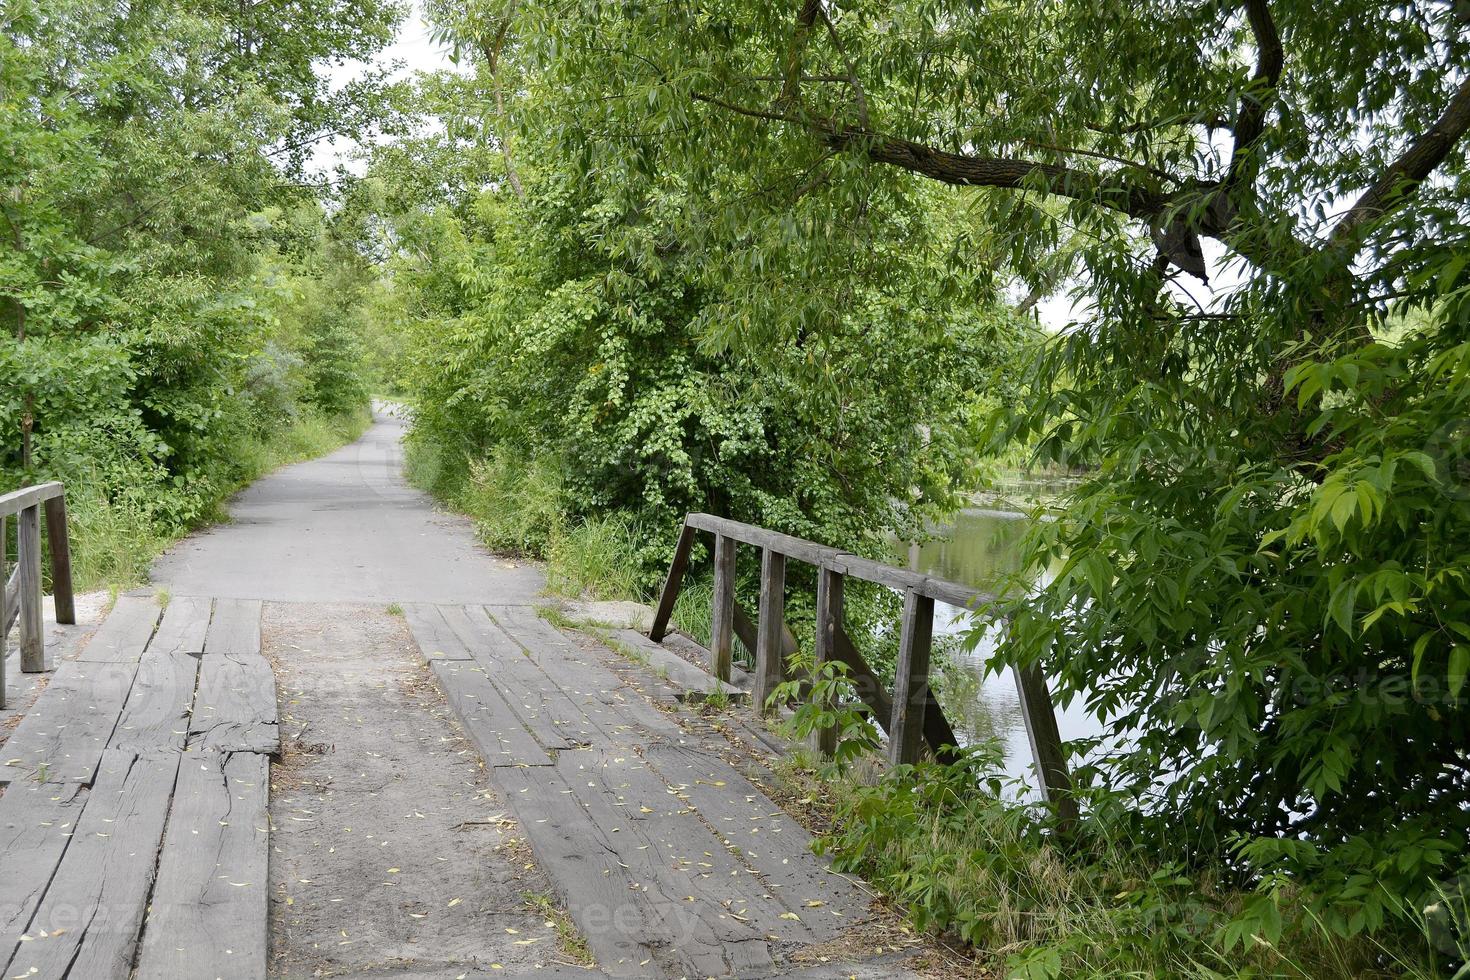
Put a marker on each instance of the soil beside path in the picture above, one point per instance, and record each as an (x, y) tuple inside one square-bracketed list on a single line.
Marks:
[(388, 849)]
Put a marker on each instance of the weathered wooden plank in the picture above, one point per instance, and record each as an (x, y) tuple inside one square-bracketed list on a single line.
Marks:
[(18, 500), (64, 734), (584, 676), (435, 640), (497, 731), (829, 622), (618, 926), (911, 693), (235, 627), (88, 922), (544, 708), (156, 714), (769, 841), (60, 545), (1040, 719), (679, 672), (209, 908), (645, 880), (183, 627), (124, 634), (670, 592), (722, 608), (37, 821), (770, 628), (28, 561), (235, 707)]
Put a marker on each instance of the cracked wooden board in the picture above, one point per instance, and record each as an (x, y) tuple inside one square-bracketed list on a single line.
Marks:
[(235, 707), (125, 633), (209, 908), (770, 842), (554, 717), (234, 628), (36, 825), (157, 711), (646, 880), (87, 923), (64, 734), (612, 707), (496, 730), (183, 627)]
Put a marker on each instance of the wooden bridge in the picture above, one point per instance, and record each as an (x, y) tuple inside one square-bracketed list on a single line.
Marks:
[(137, 822)]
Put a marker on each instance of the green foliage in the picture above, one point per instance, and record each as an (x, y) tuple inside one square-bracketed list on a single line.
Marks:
[(943, 841), (172, 307), (1262, 585), (826, 700)]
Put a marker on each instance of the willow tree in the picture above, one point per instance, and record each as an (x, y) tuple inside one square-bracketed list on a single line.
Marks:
[(1265, 580)]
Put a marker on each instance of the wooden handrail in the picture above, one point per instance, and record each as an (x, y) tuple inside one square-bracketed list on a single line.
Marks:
[(910, 715), (20, 592)]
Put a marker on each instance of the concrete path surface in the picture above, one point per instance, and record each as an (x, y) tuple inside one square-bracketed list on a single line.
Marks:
[(344, 528), (349, 745)]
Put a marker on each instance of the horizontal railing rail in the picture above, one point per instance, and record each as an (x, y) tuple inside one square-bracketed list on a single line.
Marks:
[(910, 714), (20, 596)]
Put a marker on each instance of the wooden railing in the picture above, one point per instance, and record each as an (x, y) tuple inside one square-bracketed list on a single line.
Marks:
[(910, 714), (20, 598)]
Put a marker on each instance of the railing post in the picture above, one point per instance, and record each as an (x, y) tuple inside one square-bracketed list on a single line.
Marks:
[(829, 621), (911, 681), (771, 627), (28, 560), (1046, 743), (60, 544), (677, 567), (722, 609)]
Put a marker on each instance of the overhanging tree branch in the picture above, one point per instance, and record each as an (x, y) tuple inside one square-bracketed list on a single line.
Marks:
[(1250, 120), (1404, 175)]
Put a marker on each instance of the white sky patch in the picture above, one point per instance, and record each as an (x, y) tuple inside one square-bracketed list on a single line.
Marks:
[(412, 52)]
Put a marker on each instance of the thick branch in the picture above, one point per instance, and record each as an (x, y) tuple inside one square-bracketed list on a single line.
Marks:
[(492, 60), (806, 17), (1250, 121), (1405, 174)]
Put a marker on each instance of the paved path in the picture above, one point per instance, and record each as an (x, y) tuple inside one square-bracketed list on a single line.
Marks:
[(463, 789)]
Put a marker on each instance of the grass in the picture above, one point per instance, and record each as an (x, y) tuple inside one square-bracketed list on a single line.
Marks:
[(573, 944), (114, 542), (394, 609), (1022, 903)]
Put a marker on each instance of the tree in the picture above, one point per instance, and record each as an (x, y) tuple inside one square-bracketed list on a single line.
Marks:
[(1265, 581)]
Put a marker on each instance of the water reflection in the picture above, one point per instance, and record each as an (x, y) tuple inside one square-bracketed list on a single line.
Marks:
[(982, 549)]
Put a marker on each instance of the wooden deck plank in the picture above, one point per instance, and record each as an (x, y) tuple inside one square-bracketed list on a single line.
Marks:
[(125, 633), (613, 709), (435, 640), (235, 627), (66, 731), (643, 876), (36, 824), (547, 711), (156, 714), (93, 910), (620, 929), (235, 707), (496, 730), (183, 627), (772, 844), (209, 908)]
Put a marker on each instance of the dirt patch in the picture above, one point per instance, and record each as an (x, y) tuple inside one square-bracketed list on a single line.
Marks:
[(389, 852)]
